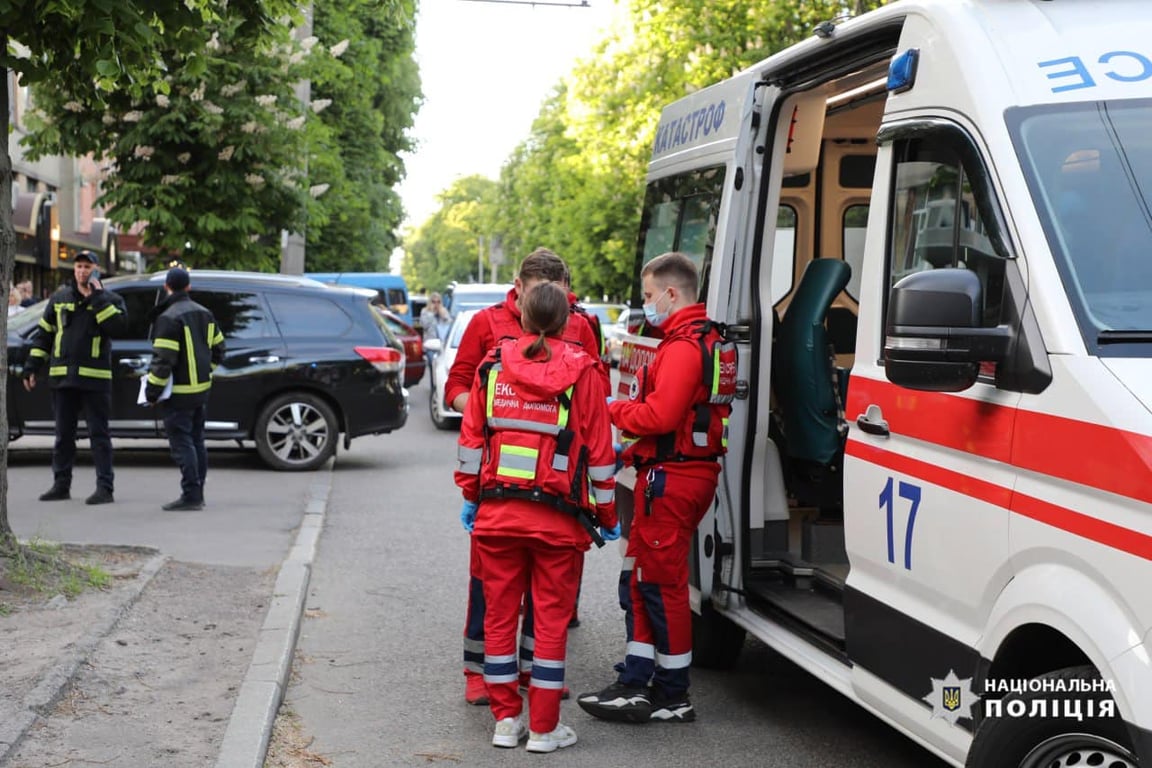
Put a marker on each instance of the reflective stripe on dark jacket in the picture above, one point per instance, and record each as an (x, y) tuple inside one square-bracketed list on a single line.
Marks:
[(73, 339), (186, 345)]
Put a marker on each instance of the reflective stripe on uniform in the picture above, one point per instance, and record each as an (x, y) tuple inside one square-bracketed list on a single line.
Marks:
[(547, 673), (156, 380), (600, 473), (640, 650), (107, 312), (674, 661), (500, 669), (469, 459), (517, 462), (166, 344), (37, 352), (602, 496), (95, 346), (191, 389), (524, 425), (94, 373)]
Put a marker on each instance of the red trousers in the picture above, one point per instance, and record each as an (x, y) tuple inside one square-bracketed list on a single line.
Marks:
[(669, 504), (510, 566)]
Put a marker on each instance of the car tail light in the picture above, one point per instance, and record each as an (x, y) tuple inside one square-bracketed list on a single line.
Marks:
[(384, 359)]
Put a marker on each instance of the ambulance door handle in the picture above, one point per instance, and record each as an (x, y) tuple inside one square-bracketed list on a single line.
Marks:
[(872, 421)]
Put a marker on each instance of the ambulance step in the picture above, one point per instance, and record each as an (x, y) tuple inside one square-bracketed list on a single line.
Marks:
[(812, 608)]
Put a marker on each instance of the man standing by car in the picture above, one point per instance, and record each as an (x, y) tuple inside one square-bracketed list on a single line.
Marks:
[(73, 338), (186, 345)]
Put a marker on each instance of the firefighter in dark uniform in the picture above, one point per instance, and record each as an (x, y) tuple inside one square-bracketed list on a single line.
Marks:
[(186, 345), (73, 339), (675, 426)]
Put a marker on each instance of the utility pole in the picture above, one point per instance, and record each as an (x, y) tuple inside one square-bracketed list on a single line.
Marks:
[(480, 259)]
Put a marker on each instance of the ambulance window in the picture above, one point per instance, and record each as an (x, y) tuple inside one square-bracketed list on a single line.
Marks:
[(855, 226), (936, 219), (784, 253), (680, 214)]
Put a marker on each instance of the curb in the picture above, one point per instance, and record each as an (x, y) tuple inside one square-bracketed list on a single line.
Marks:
[(55, 680), (245, 743)]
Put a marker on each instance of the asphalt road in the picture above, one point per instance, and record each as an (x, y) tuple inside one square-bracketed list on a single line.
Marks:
[(379, 682)]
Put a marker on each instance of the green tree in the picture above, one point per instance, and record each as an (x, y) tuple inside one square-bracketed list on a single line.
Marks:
[(372, 94), (577, 182), (446, 246), (114, 48), (212, 155)]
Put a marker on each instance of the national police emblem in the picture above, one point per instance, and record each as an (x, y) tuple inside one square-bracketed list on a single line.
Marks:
[(951, 698)]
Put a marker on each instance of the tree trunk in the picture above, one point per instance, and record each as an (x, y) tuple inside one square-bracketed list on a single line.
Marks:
[(7, 259)]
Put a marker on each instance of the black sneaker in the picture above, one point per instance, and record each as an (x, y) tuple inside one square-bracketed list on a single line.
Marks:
[(619, 703), (56, 493), (102, 496), (672, 709), (183, 505)]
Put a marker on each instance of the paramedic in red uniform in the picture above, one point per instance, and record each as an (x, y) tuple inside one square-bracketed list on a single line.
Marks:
[(488, 327), (677, 424), (536, 455)]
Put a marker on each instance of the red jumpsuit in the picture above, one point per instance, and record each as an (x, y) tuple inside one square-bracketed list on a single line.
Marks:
[(671, 497), (514, 425), (496, 323)]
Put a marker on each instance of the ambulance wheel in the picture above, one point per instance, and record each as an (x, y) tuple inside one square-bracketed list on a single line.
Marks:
[(296, 432), (716, 641), (1053, 742)]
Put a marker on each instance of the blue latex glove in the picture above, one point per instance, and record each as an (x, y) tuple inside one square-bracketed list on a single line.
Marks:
[(609, 400), (610, 534), (619, 455), (468, 515)]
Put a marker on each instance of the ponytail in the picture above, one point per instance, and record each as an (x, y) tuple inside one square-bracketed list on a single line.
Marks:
[(538, 347), (545, 313)]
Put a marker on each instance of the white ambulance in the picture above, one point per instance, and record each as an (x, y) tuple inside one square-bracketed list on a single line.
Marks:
[(929, 229)]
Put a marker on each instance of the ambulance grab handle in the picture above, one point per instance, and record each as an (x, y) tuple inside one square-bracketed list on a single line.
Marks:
[(872, 421)]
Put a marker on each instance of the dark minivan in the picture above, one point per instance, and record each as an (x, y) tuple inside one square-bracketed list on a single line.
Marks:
[(304, 365)]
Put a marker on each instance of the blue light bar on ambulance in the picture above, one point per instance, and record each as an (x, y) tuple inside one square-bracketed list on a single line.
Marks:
[(902, 70)]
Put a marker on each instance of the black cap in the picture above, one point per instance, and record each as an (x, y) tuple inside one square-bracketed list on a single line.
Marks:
[(88, 256), (177, 279)]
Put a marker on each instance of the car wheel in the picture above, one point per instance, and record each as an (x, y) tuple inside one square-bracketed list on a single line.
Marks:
[(1016, 740), (436, 411), (296, 432)]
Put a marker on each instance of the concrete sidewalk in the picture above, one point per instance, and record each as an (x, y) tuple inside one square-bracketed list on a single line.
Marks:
[(38, 722)]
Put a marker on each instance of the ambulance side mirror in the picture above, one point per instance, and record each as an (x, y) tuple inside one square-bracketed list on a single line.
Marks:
[(935, 340)]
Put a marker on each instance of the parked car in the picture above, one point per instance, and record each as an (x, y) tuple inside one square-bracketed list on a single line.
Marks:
[(615, 332), (304, 365), (413, 346), (461, 296), (443, 417)]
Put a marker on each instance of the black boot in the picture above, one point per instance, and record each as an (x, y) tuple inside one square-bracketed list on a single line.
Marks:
[(183, 505), (102, 496), (58, 492)]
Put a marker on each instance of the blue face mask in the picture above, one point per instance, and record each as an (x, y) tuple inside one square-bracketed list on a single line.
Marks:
[(654, 318)]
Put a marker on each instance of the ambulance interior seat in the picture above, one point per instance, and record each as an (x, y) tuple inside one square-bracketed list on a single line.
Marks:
[(808, 388)]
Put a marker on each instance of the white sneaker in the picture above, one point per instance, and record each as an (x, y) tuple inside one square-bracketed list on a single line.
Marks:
[(509, 731), (562, 736)]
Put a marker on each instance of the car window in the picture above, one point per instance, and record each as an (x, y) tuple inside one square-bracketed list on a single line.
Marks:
[(308, 316), (239, 314), (138, 302)]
